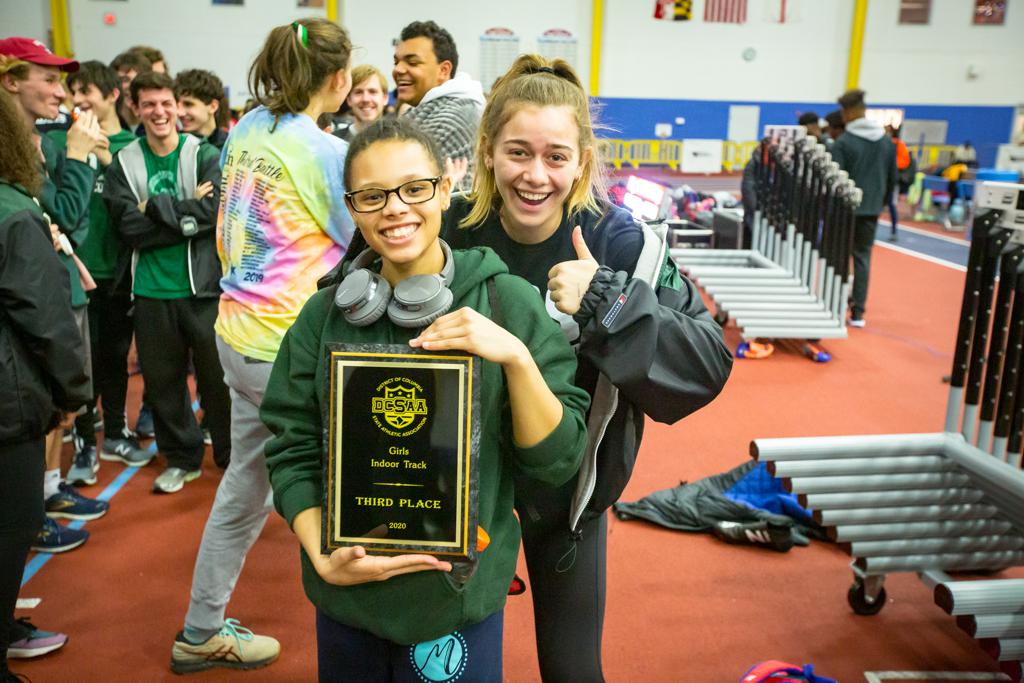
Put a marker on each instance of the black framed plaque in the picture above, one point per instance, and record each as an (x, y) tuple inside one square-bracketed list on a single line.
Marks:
[(403, 439)]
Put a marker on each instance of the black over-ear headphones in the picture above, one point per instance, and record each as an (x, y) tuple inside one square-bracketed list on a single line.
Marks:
[(364, 295)]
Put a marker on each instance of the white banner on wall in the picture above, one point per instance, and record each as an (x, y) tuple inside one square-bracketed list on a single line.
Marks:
[(499, 47), (744, 122), (924, 131), (558, 43), (701, 156)]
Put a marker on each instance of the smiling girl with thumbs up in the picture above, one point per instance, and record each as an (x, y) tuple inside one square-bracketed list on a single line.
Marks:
[(646, 344)]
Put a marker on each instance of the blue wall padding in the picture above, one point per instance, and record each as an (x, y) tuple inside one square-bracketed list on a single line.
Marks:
[(634, 119)]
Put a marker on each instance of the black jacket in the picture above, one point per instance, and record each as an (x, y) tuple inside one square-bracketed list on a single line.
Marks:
[(160, 225), (868, 155), (42, 365), (659, 347)]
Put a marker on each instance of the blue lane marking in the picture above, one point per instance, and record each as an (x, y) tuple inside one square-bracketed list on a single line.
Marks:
[(113, 487), (924, 244)]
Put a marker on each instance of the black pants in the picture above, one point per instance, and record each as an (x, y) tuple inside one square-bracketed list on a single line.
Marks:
[(166, 330), (567, 580), (350, 655), (21, 516), (110, 333), (863, 242)]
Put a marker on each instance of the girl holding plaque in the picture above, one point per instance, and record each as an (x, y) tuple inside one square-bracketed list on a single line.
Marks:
[(406, 617), (645, 342)]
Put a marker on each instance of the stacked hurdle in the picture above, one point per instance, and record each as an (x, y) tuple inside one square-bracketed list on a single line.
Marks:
[(793, 281), (933, 503)]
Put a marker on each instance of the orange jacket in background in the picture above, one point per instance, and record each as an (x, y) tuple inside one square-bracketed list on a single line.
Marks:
[(902, 154)]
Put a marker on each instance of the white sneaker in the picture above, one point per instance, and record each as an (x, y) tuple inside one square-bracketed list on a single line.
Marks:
[(235, 647), (173, 478), (857, 322)]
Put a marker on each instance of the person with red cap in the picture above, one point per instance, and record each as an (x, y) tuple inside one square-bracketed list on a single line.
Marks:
[(31, 74)]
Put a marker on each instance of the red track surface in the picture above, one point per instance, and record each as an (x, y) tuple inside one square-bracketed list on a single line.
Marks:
[(680, 607)]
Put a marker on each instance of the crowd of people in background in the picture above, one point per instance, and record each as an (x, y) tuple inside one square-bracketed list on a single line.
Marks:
[(134, 205)]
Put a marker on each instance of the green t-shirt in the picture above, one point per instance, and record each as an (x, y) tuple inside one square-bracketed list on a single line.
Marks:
[(102, 246), (162, 272)]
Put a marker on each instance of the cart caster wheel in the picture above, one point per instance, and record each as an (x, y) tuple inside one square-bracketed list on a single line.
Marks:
[(722, 318), (858, 600), (816, 353), (754, 350)]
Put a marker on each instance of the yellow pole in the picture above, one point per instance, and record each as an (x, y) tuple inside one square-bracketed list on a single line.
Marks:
[(59, 28), (860, 16), (334, 11), (596, 32)]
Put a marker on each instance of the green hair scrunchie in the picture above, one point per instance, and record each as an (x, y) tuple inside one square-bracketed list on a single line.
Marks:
[(302, 33)]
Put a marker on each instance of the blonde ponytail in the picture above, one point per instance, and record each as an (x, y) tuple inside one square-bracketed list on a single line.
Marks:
[(534, 80)]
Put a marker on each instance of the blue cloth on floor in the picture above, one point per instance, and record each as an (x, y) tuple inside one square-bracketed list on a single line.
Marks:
[(761, 490)]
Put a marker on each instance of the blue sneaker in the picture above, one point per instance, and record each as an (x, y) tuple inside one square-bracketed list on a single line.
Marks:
[(84, 467), (68, 503), (144, 425), (54, 538)]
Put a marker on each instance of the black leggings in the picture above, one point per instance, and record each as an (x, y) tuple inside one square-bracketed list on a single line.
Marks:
[(110, 333), (567, 581), (21, 517)]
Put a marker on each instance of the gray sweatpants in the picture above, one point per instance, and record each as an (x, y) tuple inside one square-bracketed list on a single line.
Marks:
[(243, 499)]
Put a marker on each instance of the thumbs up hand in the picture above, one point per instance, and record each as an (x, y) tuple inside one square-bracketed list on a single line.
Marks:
[(569, 281)]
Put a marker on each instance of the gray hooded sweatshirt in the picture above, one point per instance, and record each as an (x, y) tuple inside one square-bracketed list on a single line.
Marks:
[(450, 113)]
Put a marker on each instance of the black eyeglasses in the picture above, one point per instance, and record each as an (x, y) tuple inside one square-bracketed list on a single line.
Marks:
[(376, 198)]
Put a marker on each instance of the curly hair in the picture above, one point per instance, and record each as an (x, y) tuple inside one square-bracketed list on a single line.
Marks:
[(20, 163), (200, 84), (444, 44)]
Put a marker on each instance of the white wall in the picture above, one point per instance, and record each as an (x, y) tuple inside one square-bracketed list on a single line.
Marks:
[(225, 39), (804, 60), (374, 25), (30, 18), (928, 64), (191, 33)]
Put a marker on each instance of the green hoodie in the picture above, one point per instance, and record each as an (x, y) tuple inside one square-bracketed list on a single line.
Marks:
[(102, 247), (67, 188), (422, 606)]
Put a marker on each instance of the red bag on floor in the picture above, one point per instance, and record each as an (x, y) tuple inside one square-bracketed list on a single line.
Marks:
[(774, 671)]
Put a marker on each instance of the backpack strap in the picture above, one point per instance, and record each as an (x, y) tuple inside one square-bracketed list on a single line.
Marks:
[(648, 266)]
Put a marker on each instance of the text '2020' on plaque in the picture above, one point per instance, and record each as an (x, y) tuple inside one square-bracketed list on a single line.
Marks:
[(402, 447)]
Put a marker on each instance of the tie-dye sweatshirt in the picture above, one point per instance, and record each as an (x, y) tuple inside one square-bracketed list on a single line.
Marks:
[(282, 225)]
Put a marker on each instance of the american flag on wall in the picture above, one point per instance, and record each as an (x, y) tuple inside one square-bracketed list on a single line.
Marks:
[(725, 11)]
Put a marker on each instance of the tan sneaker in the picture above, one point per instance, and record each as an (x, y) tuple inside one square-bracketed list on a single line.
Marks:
[(234, 647)]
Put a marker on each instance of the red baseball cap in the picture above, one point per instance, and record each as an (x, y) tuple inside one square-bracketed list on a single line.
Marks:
[(30, 50)]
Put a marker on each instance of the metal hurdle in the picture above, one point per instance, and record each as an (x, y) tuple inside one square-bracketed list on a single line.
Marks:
[(793, 281), (953, 500)]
